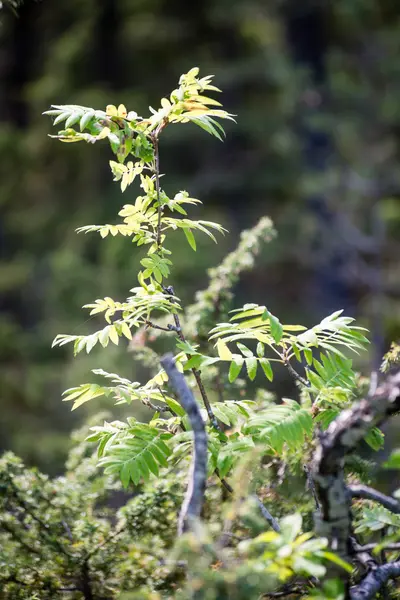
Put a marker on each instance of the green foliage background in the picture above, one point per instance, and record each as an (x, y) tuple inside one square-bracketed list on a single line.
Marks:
[(316, 90)]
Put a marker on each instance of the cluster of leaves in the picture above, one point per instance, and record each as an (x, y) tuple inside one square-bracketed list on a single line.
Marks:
[(136, 311), (129, 134), (133, 449), (256, 323), (58, 536), (391, 358), (137, 451), (372, 518)]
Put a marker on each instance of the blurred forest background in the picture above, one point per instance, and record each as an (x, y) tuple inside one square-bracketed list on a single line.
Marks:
[(315, 86)]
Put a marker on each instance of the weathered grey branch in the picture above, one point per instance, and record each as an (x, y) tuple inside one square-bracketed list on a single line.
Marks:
[(373, 582), (311, 485), (367, 493), (370, 547), (271, 520), (267, 515), (342, 436), (192, 505), (286, 591), (362, 555)]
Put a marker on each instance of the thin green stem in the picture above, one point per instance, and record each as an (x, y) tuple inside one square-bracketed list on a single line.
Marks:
[(178, 328), (199, 380), (157, 177)]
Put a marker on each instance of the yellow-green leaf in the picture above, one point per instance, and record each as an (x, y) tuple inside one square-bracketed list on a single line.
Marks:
[(114, 335), (190, 238), (235, 368), (111, 110), (126, 331), (251, 366), (266, 367), (223, 351)]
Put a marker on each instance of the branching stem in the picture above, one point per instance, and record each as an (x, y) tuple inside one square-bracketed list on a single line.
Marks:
[(335, 519), (293, 372), (367, 493), (374, 581), (370, 547), (177, 327)]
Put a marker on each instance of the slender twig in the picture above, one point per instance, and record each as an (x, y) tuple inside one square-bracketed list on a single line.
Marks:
[(67, 530), (170, 291), (199, 381), (267, 515), (369, 547), (149, 324), (295, 374), (157, 179), (156, 407), (194, 499), (311, 485), (206, 401), (362, 555), (226, 485), (289, 591), (170, 328), (367, 493)]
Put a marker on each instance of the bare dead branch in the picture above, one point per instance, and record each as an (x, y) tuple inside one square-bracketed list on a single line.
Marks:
[(286, 591), (194, 499), (373, 582), (267, 515), (341, 437), (367, 493), (387, 548), (311, 485)]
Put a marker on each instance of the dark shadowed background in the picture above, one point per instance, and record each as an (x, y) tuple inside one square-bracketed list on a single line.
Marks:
[(315, 86)]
